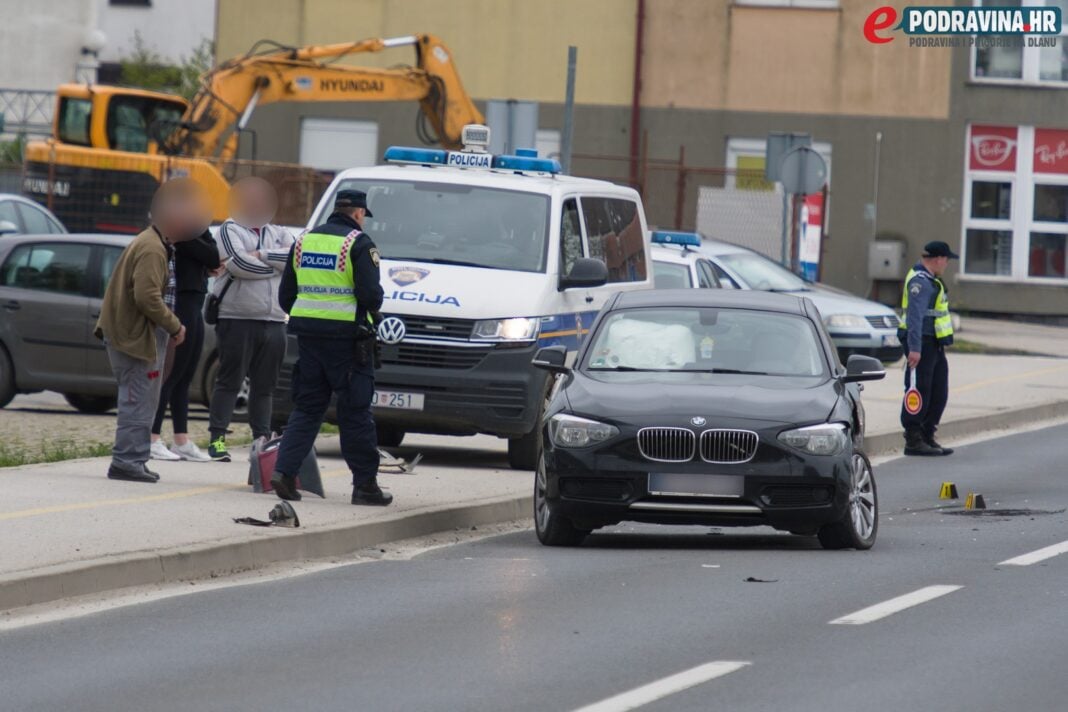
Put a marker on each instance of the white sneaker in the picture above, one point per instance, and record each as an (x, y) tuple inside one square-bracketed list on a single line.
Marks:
[(189, 451), (160, 451)]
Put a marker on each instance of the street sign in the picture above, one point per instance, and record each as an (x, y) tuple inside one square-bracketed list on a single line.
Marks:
[(778, 144), (803, 171)]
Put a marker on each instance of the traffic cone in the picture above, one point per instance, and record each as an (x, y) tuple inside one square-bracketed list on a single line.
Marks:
[(949, 491), (974, 501)]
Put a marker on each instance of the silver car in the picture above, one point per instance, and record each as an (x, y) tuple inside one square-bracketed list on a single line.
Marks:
[(51, 287), (20, 215), (857, 326)]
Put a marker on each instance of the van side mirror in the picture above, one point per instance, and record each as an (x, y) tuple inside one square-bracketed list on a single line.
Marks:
[(552, 359), (585, 272), (6, 227), (863, 368)]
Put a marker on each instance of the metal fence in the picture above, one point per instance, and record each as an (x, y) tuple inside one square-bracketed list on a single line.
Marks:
[(25, 111)]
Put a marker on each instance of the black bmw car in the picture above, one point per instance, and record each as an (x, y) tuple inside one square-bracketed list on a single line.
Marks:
[(723, 408)]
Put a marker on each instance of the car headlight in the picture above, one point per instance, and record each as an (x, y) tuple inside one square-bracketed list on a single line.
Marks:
[(572, 431), (845, 321), (519, 329), (826, 439)]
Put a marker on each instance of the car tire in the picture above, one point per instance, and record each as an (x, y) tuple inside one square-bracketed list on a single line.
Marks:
[(551, 528), (389, 436), (93, 405), (860, 525), (7, 378)]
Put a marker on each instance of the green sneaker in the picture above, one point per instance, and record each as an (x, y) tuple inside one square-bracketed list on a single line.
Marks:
[(217, 450)]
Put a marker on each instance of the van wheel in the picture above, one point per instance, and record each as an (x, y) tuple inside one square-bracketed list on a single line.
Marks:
[(389, 436), (93, 405), (7, 378)]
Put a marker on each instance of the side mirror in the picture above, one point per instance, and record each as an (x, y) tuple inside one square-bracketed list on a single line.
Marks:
[(552, 359), (6, 227), (863, 368), (585, 272)]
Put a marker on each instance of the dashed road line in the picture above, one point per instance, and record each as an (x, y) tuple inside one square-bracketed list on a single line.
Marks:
[(640, 696), (894, 605), (1038, 555)]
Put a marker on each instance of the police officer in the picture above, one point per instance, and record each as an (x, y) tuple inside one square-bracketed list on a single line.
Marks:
[(926, 330), (331, 290)]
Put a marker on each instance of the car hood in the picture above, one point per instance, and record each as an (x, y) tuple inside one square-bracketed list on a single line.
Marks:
[(834, 302), (627, 396)]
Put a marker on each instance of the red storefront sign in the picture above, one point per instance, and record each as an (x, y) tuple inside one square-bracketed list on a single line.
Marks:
[(992, 148), (1051, 151)]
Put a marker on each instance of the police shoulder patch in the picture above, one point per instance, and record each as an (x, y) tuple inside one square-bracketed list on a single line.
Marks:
[(915, 289), (375, 256)]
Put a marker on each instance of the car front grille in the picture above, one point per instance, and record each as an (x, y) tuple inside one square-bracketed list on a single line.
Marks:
[(728, 446), (888, 321), (667, 444), (433, 327), (434, 355)]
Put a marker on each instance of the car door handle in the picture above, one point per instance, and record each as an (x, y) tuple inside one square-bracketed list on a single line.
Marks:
[(12, 305)]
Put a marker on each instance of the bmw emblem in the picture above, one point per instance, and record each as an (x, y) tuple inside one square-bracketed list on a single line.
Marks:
[(391, 331), (698, 421)]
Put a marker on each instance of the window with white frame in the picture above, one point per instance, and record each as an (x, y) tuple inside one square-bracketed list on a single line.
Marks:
[(1015, 223), (789, 3), (1011, 58)]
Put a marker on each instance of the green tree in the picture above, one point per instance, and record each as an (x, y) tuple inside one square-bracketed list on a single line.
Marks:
[(146, 69)]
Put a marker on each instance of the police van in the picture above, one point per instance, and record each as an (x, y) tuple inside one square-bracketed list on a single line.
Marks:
[(486, 258)]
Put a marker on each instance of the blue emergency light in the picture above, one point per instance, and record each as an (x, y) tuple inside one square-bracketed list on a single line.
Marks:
[(525, 160), (672, 237)]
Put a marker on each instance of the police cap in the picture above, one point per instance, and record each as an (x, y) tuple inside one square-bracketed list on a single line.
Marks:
[(939, 249), (349, 199)]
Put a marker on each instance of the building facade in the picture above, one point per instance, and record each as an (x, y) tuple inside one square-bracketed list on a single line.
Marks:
[(924, 143)]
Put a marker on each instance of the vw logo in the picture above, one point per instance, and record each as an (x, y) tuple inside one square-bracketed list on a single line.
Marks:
[(698, 421), (391, 331)]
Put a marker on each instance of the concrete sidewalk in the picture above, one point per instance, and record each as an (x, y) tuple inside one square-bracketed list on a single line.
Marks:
[(1037, 339), (66, 530)]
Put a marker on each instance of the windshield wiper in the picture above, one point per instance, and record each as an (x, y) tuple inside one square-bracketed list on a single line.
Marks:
[(624, 368), (782, 290), (737, 371), (437, 261)]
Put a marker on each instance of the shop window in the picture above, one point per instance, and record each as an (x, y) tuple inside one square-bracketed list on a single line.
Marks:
[(988, 252), (1047, 257), (1051, 203), (992, 200)]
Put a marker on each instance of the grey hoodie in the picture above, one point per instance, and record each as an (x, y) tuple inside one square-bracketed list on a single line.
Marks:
[(254, 292)]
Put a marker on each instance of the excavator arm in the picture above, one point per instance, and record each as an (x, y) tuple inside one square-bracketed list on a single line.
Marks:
[(231, 92)]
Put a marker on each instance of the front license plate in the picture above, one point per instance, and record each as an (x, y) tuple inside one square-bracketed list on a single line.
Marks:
[(396, 399), (690, 485), (891, 340)]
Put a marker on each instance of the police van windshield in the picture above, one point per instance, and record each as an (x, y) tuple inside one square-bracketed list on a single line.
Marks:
[(455, 224)]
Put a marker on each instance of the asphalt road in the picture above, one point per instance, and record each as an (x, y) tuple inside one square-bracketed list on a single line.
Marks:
[(505, 624)]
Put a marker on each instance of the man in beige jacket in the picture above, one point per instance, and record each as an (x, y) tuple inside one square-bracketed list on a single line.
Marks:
[(136, 321)]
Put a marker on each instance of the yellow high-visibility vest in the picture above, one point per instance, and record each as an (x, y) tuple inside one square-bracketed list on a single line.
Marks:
[(943, 322), (326, 287)]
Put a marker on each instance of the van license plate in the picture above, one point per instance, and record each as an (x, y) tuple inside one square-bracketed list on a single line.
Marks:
[(395, 399)]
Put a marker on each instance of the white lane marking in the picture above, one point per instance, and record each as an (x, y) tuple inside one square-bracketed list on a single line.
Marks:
[(1047, 552), (895, 605), (709, 566), (640, 696)]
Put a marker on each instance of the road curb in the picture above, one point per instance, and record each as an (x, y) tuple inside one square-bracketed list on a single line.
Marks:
[(885, 443), (258, 551)]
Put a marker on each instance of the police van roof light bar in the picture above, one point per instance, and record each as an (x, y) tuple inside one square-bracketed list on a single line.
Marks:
[(673, 237)]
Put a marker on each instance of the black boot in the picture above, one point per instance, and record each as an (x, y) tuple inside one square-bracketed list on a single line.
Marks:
[(915, 445), (930, 440), (368, 492), (285, 487)]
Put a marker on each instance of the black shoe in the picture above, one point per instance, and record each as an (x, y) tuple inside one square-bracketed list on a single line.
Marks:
[(152, 473), (285, 487), (370, 493), (943, 450), (142, 475), (915, 445)]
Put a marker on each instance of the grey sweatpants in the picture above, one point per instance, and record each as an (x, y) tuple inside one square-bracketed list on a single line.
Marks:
[(139, 383), (251, 349)]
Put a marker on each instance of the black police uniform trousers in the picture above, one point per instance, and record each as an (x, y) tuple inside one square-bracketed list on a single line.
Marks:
[(932, 381), (326, 366)]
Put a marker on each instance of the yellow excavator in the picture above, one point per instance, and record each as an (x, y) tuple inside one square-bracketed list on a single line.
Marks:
[(112, 146)]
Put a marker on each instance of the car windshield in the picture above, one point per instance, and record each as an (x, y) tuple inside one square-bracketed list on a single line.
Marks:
[(706, 340), (670, 275), (758, 272), (451, 223)]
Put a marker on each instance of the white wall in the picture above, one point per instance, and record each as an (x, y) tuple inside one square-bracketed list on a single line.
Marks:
[(41, 41), (172, 28)]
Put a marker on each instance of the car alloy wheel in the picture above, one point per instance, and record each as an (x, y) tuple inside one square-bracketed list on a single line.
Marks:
[(862, 505), (541, 502), (551, 528)]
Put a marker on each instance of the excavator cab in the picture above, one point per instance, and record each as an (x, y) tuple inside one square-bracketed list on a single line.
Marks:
[(115, 118)]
